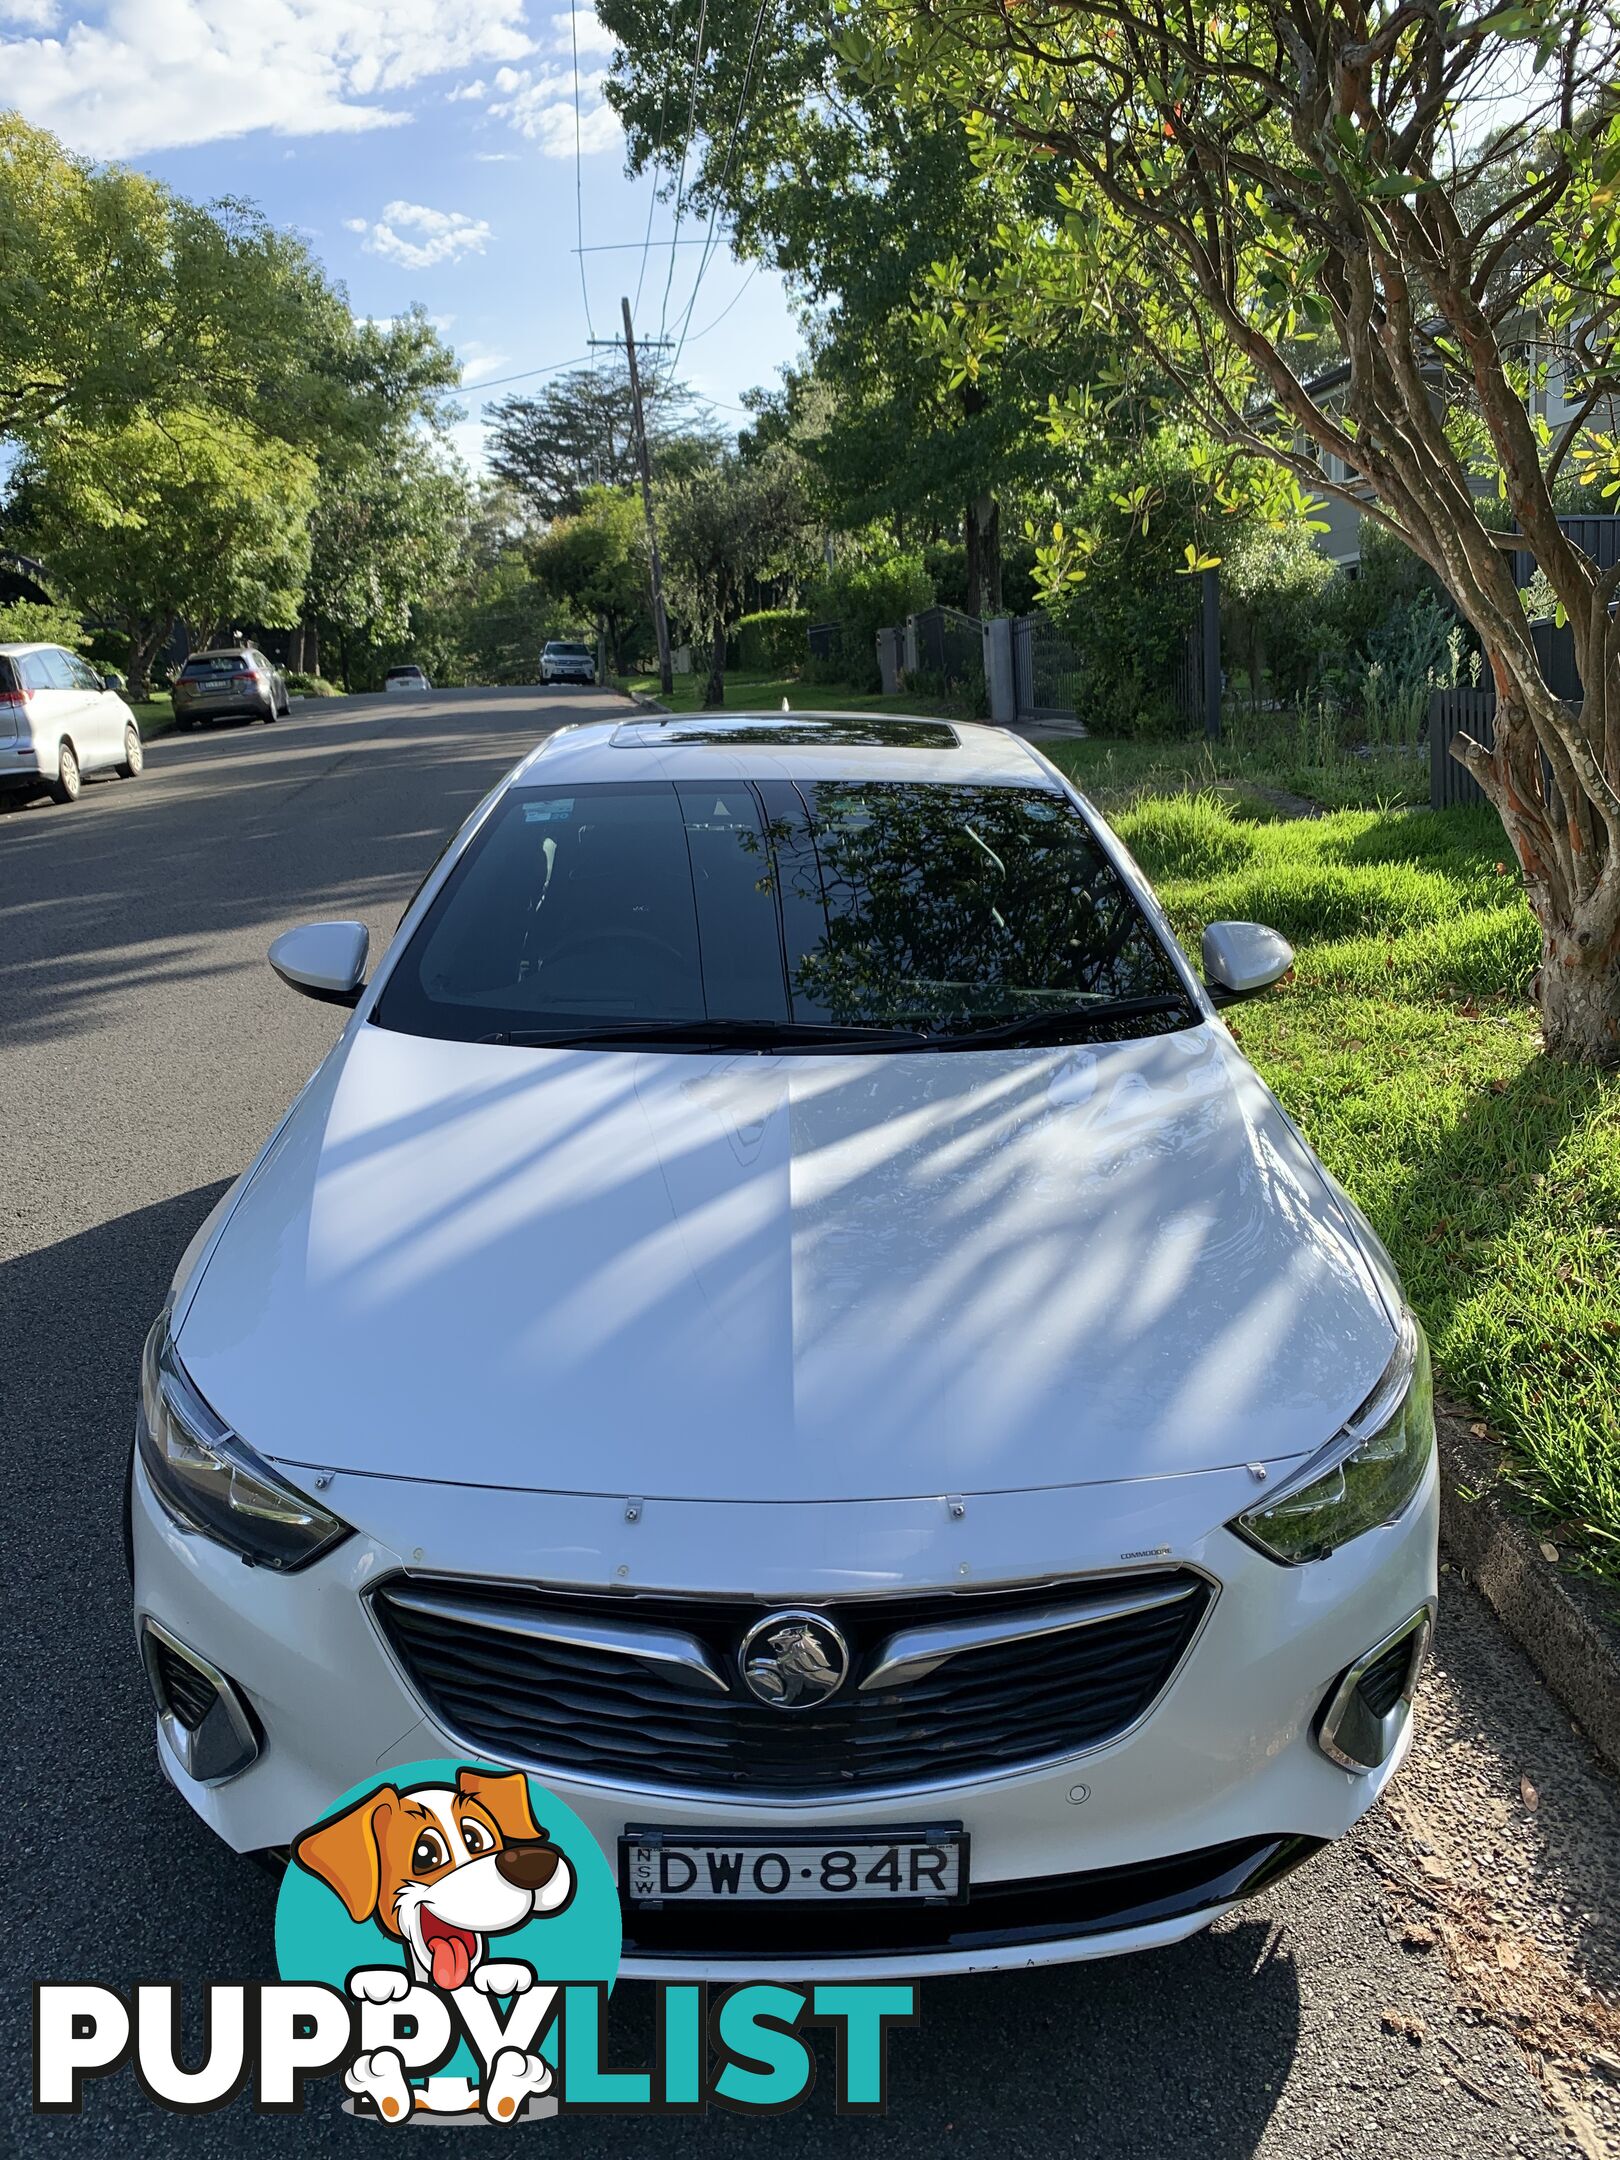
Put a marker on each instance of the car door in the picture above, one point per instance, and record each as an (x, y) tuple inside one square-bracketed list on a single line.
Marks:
[(103, 713), (72, 710), (52, 707)]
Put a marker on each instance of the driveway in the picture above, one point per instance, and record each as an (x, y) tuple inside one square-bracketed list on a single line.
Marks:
[(145, 1049)]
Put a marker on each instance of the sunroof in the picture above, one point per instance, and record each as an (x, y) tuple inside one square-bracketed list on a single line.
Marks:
[(810, 731)]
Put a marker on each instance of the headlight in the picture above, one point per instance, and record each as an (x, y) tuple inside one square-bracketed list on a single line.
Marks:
[(1365, 1475), (209, 1481)]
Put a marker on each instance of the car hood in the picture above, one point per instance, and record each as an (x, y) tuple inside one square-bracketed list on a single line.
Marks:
[(785, 1279)]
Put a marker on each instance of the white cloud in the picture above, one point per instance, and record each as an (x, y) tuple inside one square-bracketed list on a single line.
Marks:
[(539, 103), (496, 157), (445, 235), (477, 365), (463, 91), (593, 35), (140, 75)]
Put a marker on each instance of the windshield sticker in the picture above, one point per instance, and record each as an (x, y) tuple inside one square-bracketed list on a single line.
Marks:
[(558, 809)]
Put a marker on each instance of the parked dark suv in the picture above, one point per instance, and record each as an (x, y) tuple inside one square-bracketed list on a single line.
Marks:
[(237, 680)]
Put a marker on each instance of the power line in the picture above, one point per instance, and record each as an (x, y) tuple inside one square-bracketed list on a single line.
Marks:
[(579, 171), (686, 147), (726, 310), (526, 375), (725, 175)]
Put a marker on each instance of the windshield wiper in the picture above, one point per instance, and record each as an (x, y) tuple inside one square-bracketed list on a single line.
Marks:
[(1041, 1027), (714, 1034)]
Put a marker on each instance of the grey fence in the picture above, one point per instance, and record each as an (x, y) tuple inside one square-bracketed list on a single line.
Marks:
[(1473, 712), (949, 645), (1452, 713), (1047, 670)]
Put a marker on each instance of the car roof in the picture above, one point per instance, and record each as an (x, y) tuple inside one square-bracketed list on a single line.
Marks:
[(15, 652), (219, 652), (788, 746)]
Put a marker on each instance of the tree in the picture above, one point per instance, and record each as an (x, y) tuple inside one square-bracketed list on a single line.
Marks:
[(1216, 186), (850, 195), (388, 524), (739, 519), (578, 433), (596, 564), (118, 297), (194, 517)]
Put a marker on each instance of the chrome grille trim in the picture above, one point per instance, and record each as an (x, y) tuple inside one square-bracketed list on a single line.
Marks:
[(916, 1652), (545, 1725)]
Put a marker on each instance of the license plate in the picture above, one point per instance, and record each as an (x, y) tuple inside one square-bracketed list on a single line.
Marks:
[(689, 1867)]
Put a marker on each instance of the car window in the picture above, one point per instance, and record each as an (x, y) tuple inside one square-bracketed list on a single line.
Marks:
[(84, 674), (58, 669), (930, 907), (35, 672), (204, 664)]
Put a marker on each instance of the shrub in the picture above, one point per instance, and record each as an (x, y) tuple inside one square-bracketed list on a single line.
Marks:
[(864, 598), (37, 622), (311, 686), (772, 642)]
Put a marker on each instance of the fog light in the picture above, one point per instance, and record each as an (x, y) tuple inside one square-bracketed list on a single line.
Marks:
[(205, 1721), (1368, 1709)]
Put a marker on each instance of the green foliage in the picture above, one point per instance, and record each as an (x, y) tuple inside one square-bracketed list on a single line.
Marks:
[(311, 686), (772, 641), (1278, 623), (596, 564), (739, 519), (579, 432), (864, 598), (389, 520), (195, 516), (119, 298), (35, 622)]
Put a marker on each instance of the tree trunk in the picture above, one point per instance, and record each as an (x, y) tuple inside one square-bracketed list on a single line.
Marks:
[(146, 641), (312, 646), (1579, 996), (981, 535), (714, 691), (295, 650), (1577, 986)]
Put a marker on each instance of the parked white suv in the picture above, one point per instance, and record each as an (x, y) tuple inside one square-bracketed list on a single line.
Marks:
[(59, 721)]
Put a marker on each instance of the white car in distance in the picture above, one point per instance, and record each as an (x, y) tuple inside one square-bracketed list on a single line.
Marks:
[(787, 1313), (59, 721)]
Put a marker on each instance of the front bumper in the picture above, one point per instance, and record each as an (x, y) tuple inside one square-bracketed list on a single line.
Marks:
[(1138, 1842)]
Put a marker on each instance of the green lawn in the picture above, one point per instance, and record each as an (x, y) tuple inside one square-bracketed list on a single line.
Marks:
[(759, 693), (1407, 1052), (1117, 773)]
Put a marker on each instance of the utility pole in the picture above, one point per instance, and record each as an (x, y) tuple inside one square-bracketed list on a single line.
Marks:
[(666, 671)]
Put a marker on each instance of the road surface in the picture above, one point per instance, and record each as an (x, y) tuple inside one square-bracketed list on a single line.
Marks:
[(145, 1050)]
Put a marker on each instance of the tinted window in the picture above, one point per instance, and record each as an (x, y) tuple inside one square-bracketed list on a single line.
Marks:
[(569, 652), (885, 905), (203, 664)]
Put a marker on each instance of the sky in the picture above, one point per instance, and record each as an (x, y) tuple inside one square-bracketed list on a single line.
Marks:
[(426, 149)]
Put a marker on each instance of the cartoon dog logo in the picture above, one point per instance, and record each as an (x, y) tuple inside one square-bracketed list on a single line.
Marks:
[(442, 1869)]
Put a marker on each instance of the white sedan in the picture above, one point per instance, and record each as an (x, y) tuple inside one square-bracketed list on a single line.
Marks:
[(787, 1314)]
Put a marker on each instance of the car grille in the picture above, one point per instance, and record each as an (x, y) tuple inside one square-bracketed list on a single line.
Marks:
[(578, 1707)]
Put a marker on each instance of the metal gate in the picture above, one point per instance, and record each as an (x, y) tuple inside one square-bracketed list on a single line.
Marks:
[(1047, 670)]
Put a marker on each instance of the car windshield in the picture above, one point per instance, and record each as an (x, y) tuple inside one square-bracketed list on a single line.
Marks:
[(404, 674), (215, 664), (569, 652), (915, 914)]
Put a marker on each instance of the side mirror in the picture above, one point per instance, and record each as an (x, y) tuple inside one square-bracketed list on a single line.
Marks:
[(112, 682), (1243, 957), (325, 960)]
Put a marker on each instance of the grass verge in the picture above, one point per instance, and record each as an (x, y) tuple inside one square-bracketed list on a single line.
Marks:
[(1405, 1048), (1118, 773)]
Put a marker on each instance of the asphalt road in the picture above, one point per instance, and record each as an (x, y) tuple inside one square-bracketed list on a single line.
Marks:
[(145, 1049)]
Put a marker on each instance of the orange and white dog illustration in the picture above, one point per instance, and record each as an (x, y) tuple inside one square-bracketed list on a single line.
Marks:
[(441, 1869)]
